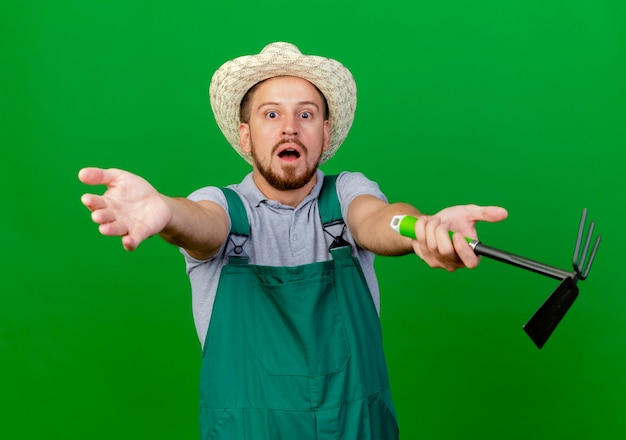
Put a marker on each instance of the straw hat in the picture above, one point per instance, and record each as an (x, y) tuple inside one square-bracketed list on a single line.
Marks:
[(234, 78)]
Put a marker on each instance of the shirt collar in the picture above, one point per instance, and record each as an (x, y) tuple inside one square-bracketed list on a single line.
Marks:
[(250, 191)]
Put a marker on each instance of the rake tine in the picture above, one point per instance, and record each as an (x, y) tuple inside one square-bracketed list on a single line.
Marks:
[(583, 256), (581, 229), (593, 255), (582, 269)]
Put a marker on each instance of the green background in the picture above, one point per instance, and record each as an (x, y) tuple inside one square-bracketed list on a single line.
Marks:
[(515, 103)]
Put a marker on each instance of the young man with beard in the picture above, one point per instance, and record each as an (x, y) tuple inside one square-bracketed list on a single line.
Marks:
[(285, 297)]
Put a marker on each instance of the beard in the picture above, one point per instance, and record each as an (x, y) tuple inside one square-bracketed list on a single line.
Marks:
[(286, 179)]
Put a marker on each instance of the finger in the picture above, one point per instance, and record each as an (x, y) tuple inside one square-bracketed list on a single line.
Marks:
[(90, 176), (113, 229), (93, 201), (129, 243), (494, 213), (132, 240), (420, 230), (98, 176), (487, 213), (431, 233), (464, 251), (445, 246), (102, 216)]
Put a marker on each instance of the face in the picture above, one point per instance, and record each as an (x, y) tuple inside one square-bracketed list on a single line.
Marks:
[(286, 133)]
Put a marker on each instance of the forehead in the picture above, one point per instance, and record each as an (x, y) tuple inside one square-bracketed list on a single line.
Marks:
[(286, 88)]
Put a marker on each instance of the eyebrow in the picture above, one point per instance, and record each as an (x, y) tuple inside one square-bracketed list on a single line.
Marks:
[(273, 103)]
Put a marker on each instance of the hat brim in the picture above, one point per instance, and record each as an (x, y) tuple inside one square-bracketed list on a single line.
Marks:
[(234, 78)]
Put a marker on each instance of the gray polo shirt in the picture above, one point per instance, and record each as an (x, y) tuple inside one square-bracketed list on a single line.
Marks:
[(280, 236)]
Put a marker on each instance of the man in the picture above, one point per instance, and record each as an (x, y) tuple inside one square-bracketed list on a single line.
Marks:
[(285, 297)]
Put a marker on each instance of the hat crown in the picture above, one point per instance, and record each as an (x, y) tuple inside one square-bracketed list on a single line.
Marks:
[(280, 48), (234, 78)]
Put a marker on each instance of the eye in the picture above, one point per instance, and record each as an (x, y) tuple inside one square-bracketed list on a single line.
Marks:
[(306, 115), (271, 115)]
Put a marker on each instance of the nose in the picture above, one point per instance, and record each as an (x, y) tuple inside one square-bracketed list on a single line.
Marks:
[(290, 126)]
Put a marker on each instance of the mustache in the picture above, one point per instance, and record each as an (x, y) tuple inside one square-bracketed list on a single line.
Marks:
[(290, 140)]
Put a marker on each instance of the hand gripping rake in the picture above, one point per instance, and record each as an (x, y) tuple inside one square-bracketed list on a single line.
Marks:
[(547, 317)]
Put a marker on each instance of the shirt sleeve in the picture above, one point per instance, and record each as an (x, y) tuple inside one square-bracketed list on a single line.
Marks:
[(211, 194), (350, 185)]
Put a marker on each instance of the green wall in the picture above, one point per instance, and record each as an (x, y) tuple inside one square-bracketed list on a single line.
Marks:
[(516, 103)]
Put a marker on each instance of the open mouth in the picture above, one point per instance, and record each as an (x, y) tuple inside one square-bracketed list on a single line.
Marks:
[(289, 154)]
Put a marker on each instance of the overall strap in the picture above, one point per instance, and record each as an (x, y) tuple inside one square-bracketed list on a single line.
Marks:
[(330, 211), (239, 224), (328, 202)]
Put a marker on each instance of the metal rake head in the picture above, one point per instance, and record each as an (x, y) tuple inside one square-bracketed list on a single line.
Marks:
[(544, 321), (580, 263)]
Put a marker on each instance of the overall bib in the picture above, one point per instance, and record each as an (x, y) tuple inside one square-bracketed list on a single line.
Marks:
[(295, 352)]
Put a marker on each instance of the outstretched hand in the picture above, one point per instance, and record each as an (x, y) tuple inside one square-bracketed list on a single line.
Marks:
[(433, 242), (130, 207)]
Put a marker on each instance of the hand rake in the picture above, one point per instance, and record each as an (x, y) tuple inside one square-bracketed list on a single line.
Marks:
[(547, 317), (544, 321)]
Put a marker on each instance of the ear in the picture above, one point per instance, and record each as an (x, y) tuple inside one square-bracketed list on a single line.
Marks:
[(326, 135), (244, 137)]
